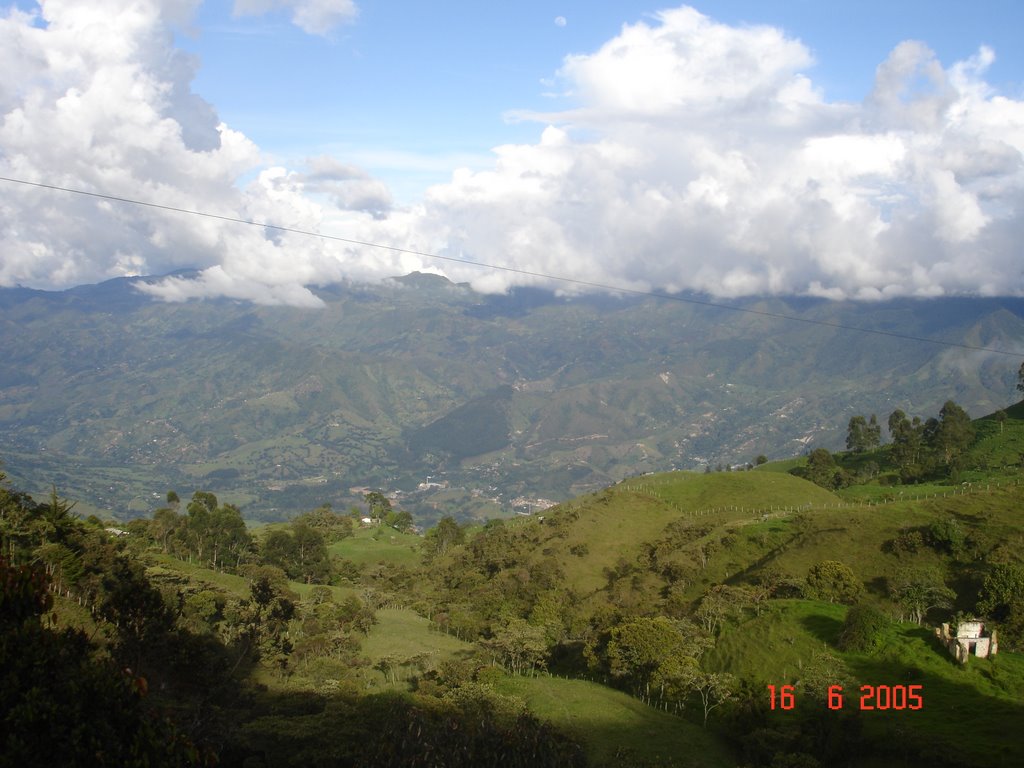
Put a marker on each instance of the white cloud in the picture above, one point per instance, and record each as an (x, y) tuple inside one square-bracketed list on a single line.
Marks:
[(688, 64), (560, 21), (693, 155), (102, 102), (316, 17), (700, 156)]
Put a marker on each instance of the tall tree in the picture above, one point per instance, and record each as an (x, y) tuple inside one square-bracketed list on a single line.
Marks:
[(907, 437), (521, 646), (863, 435), (401, 521), (198, 530), (954, 433), (856, 439), (445, 534), (64, 703), (164, 525), (333, 527), (378, 503), (821, 469), (312, 562), (229, 537), (279, 549), (873, 433), (638, 648)]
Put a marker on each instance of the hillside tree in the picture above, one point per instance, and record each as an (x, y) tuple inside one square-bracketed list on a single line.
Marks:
[(522, 647), (713, 688), (332, 526), (907, 444), (855, 434), (833, 581), (1002, 587), (919, 590), (863, 435), (821, 469), (229, 537), (954, 432), (379, 504), (63, 702), (446, 534)]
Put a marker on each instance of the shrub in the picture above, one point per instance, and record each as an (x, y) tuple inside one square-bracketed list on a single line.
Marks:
[(863, 629)]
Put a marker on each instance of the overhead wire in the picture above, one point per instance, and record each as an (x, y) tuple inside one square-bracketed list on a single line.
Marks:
[(519, 271)]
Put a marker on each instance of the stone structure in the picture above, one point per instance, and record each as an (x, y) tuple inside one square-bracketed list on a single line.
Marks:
[(970, 639)]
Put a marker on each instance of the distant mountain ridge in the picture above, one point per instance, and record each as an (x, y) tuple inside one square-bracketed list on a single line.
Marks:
[(115, 397)]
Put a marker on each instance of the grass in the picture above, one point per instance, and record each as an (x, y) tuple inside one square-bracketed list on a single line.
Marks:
[(774, 647), (412, 645), (782, 465), (615, 523), (379, 544), (984, 699), (403, 633), (688, 492), (616, 727)]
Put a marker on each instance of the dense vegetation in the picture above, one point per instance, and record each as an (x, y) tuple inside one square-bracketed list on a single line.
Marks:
[(671, 619)]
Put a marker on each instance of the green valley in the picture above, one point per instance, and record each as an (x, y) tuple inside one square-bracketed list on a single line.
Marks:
[(453, 401)]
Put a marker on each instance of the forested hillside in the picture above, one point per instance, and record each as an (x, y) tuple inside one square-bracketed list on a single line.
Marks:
[(778, 615)]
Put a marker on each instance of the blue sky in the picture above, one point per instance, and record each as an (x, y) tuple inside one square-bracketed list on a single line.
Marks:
[(844, 150), (411, 88)]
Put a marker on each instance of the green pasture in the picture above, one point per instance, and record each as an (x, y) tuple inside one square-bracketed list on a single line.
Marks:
[(378, 544), (968, 710), (615, 727)]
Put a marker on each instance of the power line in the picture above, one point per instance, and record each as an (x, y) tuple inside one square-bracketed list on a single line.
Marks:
[(519, 271)]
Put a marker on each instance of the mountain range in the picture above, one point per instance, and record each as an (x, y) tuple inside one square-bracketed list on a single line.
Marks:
[(453, 401)]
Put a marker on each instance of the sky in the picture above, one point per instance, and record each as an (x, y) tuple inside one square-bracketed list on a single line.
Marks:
[(846, 150)]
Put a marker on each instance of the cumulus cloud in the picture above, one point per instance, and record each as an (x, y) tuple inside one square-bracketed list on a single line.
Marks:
[(99, 100), (701, 156), (691, 155)]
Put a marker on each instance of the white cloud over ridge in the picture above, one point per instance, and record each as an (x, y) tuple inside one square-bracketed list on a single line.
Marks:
[(697, 156)]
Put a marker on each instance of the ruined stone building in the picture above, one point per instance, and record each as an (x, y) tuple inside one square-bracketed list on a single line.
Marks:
[(971, 639)]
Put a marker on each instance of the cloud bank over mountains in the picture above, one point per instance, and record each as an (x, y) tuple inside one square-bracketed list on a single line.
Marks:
[(694, 156)]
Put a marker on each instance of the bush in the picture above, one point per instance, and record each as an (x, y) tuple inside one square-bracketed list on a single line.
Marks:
[(863, 630), (908, 541), (946, 535)]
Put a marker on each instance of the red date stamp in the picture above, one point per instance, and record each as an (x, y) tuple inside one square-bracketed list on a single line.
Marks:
[(872, 697)]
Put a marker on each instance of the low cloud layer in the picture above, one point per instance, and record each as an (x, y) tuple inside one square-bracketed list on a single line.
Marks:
[(695, 156)]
